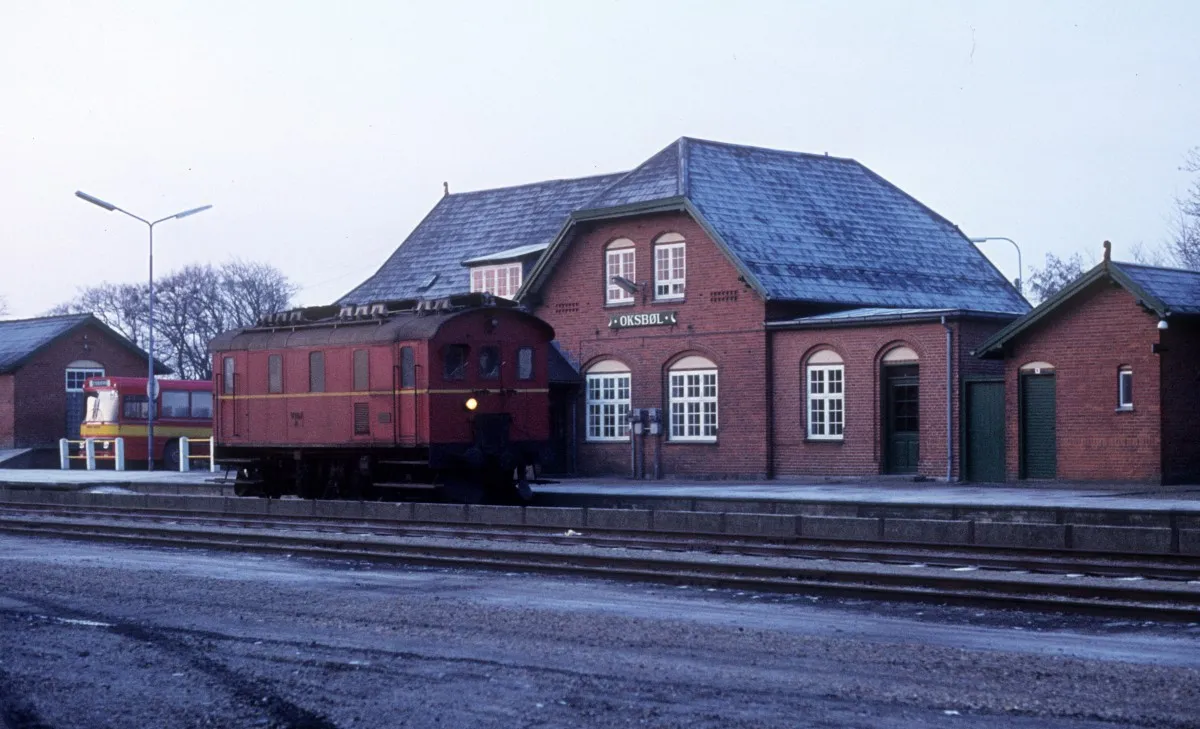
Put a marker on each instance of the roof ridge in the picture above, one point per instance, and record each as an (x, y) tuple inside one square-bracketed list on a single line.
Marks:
[(773, 150), (1172, 269), (51, 317), (537, 183)]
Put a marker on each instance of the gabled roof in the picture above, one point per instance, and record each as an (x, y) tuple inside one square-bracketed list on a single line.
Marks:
[(798, 227), (20, 339), (469, 225), (1165, 291), (805, 227)]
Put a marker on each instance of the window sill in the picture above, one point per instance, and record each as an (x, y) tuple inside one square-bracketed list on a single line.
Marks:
[(604, 441), (619, 304), (1124, 409), (837, 441), (712, 441), (663, 300)]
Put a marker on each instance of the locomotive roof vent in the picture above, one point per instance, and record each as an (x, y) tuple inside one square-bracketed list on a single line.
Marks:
[(378, 309), (295, 315), (346, 312)]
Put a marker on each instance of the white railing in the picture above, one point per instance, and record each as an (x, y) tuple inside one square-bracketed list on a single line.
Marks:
[(186, 457), (112, 449)]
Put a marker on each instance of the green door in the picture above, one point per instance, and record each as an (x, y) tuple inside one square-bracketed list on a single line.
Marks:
[(1039, 458), (902, 411), (985, 431)]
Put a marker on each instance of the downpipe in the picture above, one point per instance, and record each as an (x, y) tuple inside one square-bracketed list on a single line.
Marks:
[(949, 400)]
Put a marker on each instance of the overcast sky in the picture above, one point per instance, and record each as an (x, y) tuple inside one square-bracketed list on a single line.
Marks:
[(321, 132)]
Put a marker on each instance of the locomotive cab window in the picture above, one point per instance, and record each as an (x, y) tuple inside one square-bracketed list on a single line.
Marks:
[(227, 376), (316, 372), (134, 407), (454, 362), (525, 363), (361, 370), (489, 363)]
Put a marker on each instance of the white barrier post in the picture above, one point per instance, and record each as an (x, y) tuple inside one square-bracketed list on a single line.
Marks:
[(185, 456), (212, 455), (64, 454), (90, 448), (120, 454)]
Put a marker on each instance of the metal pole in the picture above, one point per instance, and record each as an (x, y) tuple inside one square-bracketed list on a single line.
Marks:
[(1020, 266), (151, 390)]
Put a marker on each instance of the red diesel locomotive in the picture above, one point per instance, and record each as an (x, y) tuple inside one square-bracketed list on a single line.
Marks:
[(348, 401)]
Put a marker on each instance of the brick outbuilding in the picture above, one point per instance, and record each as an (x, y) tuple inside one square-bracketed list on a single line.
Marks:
[(1102, 381), (730, 311), (43, 364)]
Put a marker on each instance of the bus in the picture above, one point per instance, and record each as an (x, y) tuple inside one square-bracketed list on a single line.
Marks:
[(116, 407)]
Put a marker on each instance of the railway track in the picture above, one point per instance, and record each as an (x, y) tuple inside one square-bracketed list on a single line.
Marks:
[(1145, 588)]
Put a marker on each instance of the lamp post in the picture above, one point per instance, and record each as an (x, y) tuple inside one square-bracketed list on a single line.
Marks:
[(1020, 269), (151, 383)]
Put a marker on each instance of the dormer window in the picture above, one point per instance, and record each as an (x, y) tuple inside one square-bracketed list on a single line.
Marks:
[(669, 266), (619, 261), (503, 280)]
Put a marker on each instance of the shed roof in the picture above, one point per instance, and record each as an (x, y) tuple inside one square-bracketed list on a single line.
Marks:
[(20, 339), (877, 315)]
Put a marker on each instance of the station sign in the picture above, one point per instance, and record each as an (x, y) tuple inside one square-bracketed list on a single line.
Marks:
[(649, 319)]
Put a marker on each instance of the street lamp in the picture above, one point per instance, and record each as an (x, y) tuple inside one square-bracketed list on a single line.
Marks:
[(986, 238), (151, 383)]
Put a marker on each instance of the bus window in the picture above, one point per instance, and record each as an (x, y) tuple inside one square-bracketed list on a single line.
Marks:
[(201, 404), (174, 404), (101, 407), (134, 407)]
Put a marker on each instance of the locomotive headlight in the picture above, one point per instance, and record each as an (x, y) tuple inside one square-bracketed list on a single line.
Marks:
[(471, 403)]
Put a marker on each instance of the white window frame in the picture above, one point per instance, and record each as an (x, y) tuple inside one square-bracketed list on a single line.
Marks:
[(82, 374), (503, 280), (1122, 391), (825, 388), (608, 401), (620, 259), (692, 407), (670, 270)]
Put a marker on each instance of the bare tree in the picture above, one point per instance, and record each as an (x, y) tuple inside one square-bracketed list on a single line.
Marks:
[(3, 306), (191, 306), (1185, 248), (1054, 276)]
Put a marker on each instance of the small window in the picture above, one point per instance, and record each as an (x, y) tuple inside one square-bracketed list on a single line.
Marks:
[(76, 376), (362, 418), (503, 280), (619, 261), (175, 404), (525, 363), (1125, 388), (669, 267), (408, 368), (134, 407), (361, 370), (316, 372), (275, 373), (227, 376), (201, 404), (454, 365), (489, 363)]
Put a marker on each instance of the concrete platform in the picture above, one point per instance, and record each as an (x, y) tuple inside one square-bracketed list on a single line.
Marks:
[(142, 481)]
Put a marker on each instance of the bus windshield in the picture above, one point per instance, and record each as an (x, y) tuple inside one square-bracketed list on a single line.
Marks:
[(101, 407)]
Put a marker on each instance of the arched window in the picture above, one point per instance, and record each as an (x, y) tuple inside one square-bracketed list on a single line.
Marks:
[(608, 386), (619, 261), (78, 372), (670, 266), (1125, 388), (693, 399), (826, 378)]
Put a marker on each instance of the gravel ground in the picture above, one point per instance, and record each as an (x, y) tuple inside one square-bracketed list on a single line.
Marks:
[(107, 636)]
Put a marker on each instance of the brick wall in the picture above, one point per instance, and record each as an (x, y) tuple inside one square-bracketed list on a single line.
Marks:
[(1087, 339), (721, 319), (7, 412), (862, 349), (1180, 361), (40, 385)]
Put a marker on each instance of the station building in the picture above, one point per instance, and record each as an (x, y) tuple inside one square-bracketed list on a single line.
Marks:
[(1102, 381), (43, 365), (731, 311)]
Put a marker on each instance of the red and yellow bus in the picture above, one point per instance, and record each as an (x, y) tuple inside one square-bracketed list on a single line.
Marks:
[(116, 407)]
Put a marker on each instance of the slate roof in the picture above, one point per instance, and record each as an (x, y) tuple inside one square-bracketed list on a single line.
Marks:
[(1165, 291), (20, 339), (800, 227), (472, 224), (877, 315)]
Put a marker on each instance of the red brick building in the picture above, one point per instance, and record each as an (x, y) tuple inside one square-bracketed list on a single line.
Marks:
[(730, 311), (1102, 381), (43, 364)]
